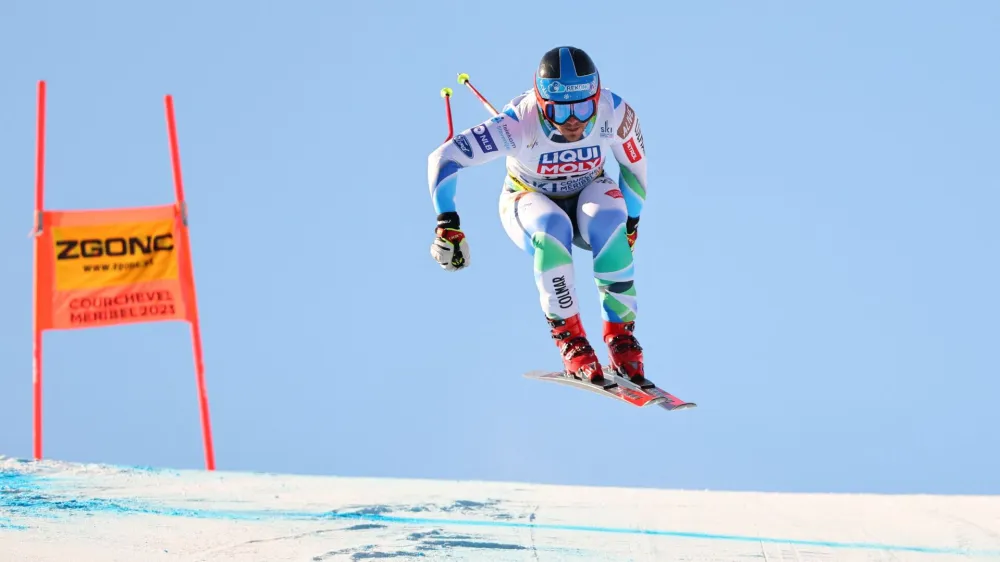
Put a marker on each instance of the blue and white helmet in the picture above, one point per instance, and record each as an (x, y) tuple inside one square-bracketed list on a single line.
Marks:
[(567, 84)]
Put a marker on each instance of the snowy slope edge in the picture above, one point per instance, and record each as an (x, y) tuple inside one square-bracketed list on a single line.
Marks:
[(52, 510)]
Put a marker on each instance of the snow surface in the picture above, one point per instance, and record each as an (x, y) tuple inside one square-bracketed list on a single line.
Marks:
[(82, 512)]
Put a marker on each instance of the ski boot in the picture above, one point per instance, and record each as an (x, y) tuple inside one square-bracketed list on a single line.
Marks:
[(624, 351), (578, 356)]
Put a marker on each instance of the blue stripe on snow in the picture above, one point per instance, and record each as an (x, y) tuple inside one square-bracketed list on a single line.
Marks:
[(23, 495)]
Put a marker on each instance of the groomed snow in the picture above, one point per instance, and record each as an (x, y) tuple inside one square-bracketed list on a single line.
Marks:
[(55, 511)]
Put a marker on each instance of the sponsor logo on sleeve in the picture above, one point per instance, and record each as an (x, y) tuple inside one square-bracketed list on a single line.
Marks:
[(638, 137), (570, 161), (627, 121), (632, 152), (505, 137), (463, 144), (484, 138)]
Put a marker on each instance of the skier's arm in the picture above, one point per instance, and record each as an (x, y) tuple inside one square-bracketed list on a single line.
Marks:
[(630, 151), (496, 137), (491, 139)]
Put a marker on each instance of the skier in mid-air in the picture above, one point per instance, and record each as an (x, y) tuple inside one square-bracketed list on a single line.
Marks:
[(556, 194)]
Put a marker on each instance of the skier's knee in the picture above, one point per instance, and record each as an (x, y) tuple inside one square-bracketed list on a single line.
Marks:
[(603, 226), (557, 226)]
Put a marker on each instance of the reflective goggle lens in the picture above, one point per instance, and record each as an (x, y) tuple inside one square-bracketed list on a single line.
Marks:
[(560, 113)]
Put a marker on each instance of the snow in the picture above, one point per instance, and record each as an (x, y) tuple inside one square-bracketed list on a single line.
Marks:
[(60, 511)]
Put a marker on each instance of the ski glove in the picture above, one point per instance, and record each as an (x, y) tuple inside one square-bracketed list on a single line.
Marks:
[(632, 231), (450, 248)]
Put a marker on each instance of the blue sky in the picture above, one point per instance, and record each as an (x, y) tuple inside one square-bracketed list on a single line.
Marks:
[(816, 263)]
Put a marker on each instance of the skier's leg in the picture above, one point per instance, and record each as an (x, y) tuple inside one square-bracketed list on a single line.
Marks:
[(543, 230), (539, 227), (601, 215)]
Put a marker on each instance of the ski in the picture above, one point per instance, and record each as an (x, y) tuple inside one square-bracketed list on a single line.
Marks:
[(662, 398), (640, 393), (605, 387)]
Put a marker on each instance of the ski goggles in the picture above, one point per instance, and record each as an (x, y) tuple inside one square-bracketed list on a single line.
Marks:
[(559, 113)]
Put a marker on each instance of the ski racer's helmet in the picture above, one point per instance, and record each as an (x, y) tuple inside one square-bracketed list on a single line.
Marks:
[(567, 84)]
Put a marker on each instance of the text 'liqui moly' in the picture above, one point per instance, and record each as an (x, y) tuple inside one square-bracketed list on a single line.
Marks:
[(572, 161)]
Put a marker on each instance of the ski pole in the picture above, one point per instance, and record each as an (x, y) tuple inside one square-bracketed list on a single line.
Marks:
[(463, 79), (446, 94)]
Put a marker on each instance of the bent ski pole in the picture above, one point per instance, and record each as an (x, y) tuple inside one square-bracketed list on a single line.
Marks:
[(446, 94), (463, 79)]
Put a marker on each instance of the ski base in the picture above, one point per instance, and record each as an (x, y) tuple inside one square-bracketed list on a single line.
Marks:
[(640, 393)]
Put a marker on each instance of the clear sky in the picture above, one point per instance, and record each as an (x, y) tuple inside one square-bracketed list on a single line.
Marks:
[(817, 260)]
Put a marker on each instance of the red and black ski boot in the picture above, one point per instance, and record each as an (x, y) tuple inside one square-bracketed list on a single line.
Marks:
[(578, 356), (624, 351)]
